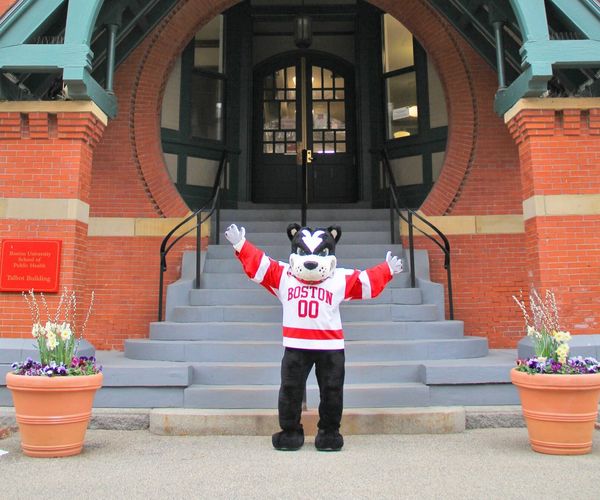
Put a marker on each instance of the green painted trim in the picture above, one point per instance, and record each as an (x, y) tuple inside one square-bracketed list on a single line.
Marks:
[(81, 19), (26, 18), (585, 16), (533, 82), (42, 58), (563, 53), (81, 85), (531, 16)]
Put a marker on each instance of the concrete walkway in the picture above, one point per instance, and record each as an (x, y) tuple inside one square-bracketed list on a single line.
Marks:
[(475, 464)]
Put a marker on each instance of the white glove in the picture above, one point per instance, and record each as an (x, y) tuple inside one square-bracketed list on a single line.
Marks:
[(394, 263), (236, 236)]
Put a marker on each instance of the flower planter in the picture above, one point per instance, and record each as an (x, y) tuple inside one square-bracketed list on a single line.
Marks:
[(53, 412), (560, 410)]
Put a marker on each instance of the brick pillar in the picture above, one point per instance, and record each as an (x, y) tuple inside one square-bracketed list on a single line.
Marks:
[(46, 153), (559, 150)]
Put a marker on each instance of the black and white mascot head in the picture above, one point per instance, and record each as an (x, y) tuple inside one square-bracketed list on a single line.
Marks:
[(313, 252)]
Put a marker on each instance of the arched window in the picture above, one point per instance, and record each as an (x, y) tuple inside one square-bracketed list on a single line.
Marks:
[(192, 115), (416, 119)]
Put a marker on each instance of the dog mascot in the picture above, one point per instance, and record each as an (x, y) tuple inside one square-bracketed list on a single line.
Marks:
[(311, 289)]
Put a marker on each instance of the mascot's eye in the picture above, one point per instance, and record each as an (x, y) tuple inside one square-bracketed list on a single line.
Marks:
[(324, 252), (301, 252)]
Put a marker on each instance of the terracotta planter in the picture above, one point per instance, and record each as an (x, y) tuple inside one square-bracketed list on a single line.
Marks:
[(560, 410), (53, 412)]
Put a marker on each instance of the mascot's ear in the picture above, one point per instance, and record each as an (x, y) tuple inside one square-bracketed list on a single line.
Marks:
[(292, 229), (336, 232)]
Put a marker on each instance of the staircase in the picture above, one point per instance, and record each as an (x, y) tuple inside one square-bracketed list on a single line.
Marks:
[(229, 331)]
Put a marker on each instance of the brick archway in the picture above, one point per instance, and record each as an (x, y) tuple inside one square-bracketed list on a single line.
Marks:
[(166, 42)]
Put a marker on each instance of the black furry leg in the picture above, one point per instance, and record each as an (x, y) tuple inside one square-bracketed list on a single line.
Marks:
[(288, 440), (329, 440)]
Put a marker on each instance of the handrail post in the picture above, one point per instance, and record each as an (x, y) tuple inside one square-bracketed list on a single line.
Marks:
[(160, 286), (218, 220), (304, 188), (450, 298), (411, 247), (198, 248), (392, 229)]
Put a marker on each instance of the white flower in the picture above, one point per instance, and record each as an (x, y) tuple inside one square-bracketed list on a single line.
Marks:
[(51, 341), (65, 331), (37, 330), (531, 332), (561, 337)]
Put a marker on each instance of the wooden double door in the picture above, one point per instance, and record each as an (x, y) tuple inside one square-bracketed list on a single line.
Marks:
[(304, 101)]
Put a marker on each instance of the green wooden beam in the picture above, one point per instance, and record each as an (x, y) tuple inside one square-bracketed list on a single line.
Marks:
[(583, 15), (25, 19), (533, 82), (81, 86), (531, 16), (81, 19), (43, 58), (563, 53)]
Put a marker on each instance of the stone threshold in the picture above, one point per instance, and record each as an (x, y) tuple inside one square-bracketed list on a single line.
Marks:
[(199, 422)]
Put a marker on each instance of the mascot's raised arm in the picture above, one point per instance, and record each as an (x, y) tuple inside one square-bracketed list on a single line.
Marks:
[(311, 288)]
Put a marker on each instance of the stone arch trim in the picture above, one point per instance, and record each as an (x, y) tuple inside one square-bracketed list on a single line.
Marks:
[(167, 41), (444, 49), (164, 44)]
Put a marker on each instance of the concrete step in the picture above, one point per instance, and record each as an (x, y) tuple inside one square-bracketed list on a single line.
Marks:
[(333, 215), (343, 251), (266, 396), (239, 280), (380, 395), (406, 330), (252, 351), (280, 226), (233, 265), (263, 422), (231, 396), (227, 373), (256, 297), (266, 314)]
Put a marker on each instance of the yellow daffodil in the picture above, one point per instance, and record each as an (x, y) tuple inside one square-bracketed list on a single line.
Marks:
[(562, 351), (65, 331), (51, 341)]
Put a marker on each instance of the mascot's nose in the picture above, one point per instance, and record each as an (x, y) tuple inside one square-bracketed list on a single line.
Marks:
[(310, 265)]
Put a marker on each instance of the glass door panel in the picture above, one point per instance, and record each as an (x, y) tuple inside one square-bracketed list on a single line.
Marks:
[(276, 176)]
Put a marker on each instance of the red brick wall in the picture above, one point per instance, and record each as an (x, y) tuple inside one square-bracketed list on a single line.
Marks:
[(124, 274), (46, 156), (560, 155), (487, 270)]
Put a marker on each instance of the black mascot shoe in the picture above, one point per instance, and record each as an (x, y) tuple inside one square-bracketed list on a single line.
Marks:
[(329, 440), (288, 440)]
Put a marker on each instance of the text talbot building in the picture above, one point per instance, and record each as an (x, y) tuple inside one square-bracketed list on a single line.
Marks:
[(119, 118)]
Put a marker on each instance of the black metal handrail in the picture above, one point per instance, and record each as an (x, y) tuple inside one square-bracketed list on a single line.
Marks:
[(213, 204), (444, 244)]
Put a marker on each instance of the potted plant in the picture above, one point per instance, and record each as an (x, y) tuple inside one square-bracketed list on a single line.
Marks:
[(559, 394), (53, 396)]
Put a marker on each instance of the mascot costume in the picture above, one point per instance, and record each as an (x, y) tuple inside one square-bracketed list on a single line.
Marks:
[(311, 288)]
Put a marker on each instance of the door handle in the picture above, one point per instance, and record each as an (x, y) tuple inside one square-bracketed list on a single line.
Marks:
[(309, 157)]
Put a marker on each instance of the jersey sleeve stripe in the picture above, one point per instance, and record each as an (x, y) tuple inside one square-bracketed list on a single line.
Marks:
[(366, 285), (262, 269)]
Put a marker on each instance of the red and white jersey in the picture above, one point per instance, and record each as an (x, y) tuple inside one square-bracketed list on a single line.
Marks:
[(311, 311)]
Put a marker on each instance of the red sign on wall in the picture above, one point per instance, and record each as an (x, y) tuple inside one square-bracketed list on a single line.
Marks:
[(29, 264)]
